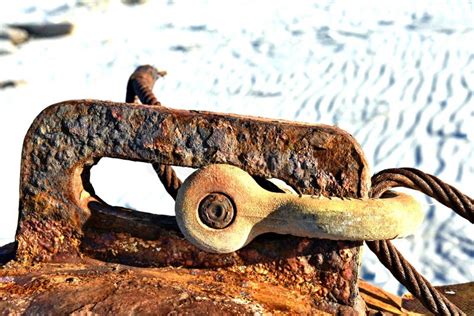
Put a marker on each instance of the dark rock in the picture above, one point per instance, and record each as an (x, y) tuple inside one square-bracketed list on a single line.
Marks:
[(45, 30)]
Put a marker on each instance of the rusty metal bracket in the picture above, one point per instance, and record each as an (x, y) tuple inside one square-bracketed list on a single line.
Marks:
[(61, 217), (67, 139)]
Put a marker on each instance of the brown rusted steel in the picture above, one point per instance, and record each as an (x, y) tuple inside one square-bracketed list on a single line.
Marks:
[(406, 274), (103, 288), (216, 211), (61, 217), (68, 138)]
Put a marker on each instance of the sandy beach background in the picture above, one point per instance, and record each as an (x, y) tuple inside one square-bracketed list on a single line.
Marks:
[(399, 76)]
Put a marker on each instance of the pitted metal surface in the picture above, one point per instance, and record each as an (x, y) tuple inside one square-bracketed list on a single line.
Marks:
[(68, 138)]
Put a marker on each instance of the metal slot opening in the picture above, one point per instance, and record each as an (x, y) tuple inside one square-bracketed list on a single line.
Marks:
[(133, 185)]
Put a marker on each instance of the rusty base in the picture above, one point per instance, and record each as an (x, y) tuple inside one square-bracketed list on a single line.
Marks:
[(104, 288), (91, 286)]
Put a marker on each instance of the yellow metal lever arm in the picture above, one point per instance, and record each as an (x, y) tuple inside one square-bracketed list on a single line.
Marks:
[(221, 208)]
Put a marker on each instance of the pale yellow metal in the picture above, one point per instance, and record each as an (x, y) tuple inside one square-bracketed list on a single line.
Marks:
[(260, 211)]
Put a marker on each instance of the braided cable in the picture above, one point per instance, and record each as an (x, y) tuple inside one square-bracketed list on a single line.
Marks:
[(426, 183), (391, 258), (407, 275), (140, 85)]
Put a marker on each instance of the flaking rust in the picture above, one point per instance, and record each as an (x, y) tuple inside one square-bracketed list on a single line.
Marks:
[(62, 218)]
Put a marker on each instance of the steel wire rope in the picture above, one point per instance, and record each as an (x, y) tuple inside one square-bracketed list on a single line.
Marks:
[(140, 85), (391, 258)]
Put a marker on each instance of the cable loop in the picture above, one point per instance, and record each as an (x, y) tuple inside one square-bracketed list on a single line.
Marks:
[(428, 184), (391, 258)]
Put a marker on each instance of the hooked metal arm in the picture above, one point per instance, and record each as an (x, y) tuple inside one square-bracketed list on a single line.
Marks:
[(220, 208)]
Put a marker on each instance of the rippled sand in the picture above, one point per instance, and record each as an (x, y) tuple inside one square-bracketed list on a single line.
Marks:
[(399, 77)]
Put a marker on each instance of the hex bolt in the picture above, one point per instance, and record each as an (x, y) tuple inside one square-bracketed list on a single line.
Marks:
[(217, 211)]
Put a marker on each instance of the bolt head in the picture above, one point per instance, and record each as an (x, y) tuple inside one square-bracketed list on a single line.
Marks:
[(217, 211)]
